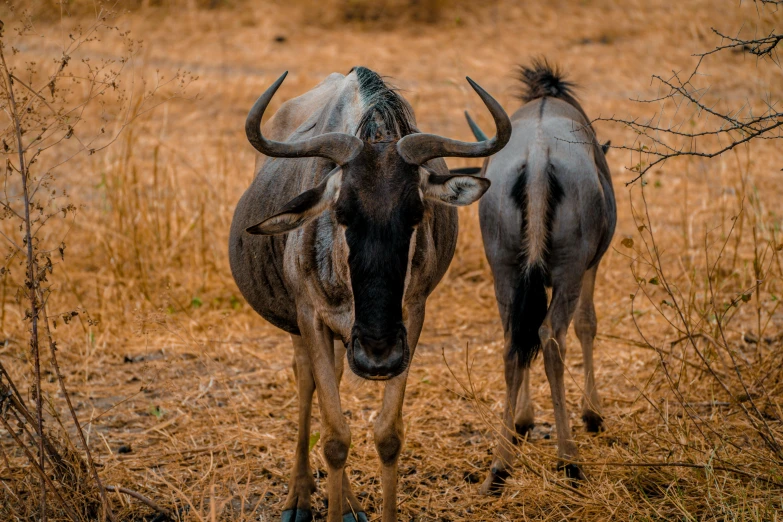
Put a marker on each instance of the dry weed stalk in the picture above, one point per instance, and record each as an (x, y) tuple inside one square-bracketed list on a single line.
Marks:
[(46, 112), (702, 302), (705, 306)]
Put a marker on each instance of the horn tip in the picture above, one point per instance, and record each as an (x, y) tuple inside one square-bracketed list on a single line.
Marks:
[(282, 77), (476, 86)]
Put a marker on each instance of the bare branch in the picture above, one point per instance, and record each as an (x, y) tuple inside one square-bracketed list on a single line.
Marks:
[(698, 128)]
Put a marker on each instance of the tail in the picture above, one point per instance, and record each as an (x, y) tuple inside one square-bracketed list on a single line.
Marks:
[(528, 311), (536, 193)]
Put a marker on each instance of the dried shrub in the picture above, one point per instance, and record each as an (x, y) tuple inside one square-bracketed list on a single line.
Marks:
[(54, 111)]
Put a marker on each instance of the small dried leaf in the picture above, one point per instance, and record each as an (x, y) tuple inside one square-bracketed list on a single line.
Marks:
[(314, 438), (627, 242)]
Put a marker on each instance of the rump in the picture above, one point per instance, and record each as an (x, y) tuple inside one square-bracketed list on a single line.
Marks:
[(583, 220)]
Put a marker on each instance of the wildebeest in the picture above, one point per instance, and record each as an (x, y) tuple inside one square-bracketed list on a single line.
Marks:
[(546, 222), (346, 229)]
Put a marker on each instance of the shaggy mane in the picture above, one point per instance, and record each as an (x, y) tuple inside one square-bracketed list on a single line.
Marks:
[(386, 116)]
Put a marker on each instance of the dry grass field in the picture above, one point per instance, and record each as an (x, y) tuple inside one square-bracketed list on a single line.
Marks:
[(188, 396)]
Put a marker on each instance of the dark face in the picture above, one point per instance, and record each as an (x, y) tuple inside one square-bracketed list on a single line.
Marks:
[(379, 206)]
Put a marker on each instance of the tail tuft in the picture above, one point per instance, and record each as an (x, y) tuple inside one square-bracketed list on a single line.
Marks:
[(541, 79), (528, 311)]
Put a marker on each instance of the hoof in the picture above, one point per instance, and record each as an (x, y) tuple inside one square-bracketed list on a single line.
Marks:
[(296, 515), (360, 517), (494, 482), (572, 471), (594, 423), (523, 429)]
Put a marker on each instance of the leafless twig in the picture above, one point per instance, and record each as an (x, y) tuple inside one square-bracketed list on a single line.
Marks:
[(659, 139)]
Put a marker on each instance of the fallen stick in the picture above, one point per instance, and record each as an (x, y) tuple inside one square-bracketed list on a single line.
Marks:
[(142, 498)]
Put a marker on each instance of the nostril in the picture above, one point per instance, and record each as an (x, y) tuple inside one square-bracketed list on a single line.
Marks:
[(383, 356)]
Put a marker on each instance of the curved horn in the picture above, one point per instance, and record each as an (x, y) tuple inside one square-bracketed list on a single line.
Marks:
[(336, 146), (477, 132), (419, 148)]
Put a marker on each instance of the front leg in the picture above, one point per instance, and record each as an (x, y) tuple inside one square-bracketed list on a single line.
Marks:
[(301, 484), (585, 324), (552, 333), (389, 437), (336, 433), (388, 430)]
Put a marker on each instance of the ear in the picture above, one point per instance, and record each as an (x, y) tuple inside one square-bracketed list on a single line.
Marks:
[(466, 170), (605, 146), (302, 208), (458, 190)]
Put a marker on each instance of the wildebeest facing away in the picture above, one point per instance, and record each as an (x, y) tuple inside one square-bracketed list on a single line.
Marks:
[(546, 222), (346, 229)]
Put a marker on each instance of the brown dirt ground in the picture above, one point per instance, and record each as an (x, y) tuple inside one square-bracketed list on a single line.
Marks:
[(182, 371)]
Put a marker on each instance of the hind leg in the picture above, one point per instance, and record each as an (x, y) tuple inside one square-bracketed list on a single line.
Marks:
[(585, 325), (517, 417), (503, 459), (565, 295), (524, 420)]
